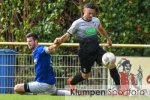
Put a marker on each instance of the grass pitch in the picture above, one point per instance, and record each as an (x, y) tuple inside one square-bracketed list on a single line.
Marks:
[(49, 97)]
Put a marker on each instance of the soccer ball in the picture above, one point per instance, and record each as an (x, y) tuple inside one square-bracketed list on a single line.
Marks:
[(108, 59)]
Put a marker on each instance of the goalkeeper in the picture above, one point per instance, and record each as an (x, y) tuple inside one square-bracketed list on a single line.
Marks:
[(44, 79)]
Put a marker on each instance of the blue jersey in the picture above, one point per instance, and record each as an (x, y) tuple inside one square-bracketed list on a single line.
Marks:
[(43, 68)]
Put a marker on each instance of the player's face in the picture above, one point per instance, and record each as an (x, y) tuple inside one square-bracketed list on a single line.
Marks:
[(31, 43), (88, 13)]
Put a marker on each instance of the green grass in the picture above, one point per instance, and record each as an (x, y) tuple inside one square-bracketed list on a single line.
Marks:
[(29, 97), (49, 97)]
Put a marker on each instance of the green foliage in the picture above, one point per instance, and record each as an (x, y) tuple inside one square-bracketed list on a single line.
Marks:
[(48, 27), (18, 17), (126, 21)]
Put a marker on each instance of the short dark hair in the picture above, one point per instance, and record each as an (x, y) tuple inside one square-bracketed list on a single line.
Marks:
[(89, 5), (33, 35)]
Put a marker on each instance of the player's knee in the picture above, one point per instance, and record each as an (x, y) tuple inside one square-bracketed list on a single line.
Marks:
[(16, 88), (19, 89), (85, 76)]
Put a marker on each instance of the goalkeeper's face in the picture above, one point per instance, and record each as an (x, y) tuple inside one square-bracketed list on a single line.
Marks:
[(32, 43)]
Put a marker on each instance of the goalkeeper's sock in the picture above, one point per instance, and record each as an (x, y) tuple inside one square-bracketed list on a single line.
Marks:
[(115, 75), (78, 78), (63, 92)]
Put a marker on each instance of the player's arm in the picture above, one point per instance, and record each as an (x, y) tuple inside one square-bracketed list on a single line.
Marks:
[(104, 33), (66, 36), (57, 42), (51, 48), (62, 39)]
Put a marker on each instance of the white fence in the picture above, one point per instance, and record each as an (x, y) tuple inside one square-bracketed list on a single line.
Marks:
[(19, 68)]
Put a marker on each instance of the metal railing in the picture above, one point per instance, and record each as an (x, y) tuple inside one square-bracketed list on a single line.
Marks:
[(21, 70), (77, 44)]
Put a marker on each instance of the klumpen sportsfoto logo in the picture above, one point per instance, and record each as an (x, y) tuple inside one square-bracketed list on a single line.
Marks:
[(95, 90)]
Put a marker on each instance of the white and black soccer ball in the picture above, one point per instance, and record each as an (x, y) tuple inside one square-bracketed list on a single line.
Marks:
[(108, 59)]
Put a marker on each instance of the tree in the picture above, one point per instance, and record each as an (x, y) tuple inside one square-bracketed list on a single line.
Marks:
[(126, 21)]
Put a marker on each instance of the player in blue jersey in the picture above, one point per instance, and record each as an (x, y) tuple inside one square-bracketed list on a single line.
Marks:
[(87, 28), (44, 73)]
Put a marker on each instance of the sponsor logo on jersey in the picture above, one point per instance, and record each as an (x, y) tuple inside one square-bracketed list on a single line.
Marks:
[(90, 31)]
